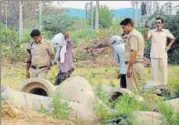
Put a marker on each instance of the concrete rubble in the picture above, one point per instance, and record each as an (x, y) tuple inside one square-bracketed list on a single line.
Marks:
[(148, 118), (113, 91), (79, 95), (174, 104), (76, 91)]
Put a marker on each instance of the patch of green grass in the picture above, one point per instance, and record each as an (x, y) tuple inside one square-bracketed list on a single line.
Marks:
[(173, 85), (127, 104), (169, 114), (124, 108), (61, 109)]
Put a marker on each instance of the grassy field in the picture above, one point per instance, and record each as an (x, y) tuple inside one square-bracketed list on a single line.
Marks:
[(12, 75)]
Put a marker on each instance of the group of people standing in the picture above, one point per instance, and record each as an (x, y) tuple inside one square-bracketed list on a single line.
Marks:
[(41, 56), (128, 51), (131, 56)]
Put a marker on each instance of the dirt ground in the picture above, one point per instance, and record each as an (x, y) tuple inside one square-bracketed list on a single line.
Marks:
[(28, 117)]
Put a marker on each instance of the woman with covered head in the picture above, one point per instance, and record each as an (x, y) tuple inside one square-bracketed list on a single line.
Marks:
[(64, 57)]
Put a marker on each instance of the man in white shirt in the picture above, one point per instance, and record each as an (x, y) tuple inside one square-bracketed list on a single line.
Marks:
[(159, 48)]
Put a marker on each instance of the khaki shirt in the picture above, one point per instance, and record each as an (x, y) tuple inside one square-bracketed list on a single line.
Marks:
[(159, 42), (41, 53), (135, 42)]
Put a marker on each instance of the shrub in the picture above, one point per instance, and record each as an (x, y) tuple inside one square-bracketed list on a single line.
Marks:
[(11, 45), (172, 24), (62, 23), (169, 114), (83, 35), (61, 109)]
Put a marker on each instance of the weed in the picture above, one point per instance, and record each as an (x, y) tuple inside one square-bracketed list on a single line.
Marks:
[(174, 87), (61, 109), (170, 116)]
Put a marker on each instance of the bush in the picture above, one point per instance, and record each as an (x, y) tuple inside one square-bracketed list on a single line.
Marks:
[(172, 25), (169, 114), (61, 109), (26, 38), (12, 48), (83, 35), (81, 56), (56, 23)]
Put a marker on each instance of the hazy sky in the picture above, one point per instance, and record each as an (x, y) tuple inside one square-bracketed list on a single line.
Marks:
[(110, 4)]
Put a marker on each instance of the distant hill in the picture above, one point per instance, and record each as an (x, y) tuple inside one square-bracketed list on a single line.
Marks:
[(76, 12), (124, 12), (81, 13)]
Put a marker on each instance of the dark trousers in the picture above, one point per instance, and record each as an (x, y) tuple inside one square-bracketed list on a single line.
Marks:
[(62, 76), (123, 82)]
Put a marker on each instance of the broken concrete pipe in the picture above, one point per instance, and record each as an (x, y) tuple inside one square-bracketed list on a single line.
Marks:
[(76, 91), (37, 86), (148, 118), (26, 100), (174, 104), (115, 93)]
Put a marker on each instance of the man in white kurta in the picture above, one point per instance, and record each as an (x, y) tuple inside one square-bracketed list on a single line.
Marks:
[(159, 48)]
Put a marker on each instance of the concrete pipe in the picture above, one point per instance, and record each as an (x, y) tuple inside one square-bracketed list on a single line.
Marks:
[(26, 100), (148, 118), (174, 104), (76, 89), (118, 92), (80, 111), (37, 86)]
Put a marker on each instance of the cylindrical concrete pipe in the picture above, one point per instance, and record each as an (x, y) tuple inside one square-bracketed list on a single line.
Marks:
[(174, 104), (117, 92), (37, 86), (26, 100), (76, 91), (148, 118)]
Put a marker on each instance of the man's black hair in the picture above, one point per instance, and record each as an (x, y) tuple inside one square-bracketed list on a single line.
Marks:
[(159, 18), (35, 32), (127, 21)]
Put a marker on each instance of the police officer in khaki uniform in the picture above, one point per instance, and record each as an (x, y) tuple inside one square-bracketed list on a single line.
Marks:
[(158, 54), (134, 54), (41, 52)]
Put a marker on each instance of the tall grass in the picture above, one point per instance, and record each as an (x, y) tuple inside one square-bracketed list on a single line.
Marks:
[(169, 114)]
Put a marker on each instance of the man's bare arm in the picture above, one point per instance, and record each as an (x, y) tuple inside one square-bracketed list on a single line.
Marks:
[(52, 56), (132, 59), (146, 37), (170, 44), (28, 63)]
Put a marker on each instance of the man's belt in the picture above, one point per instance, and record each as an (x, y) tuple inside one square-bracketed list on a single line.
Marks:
[(127, 62), (35, 67)]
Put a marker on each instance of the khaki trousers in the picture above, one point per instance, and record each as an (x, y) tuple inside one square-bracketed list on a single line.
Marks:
[(159, 70), (134, 82), (39, 73)]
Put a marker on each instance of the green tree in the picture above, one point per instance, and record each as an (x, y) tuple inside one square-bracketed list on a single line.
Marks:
[(105, 17), (172, 25), (56, 23)]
